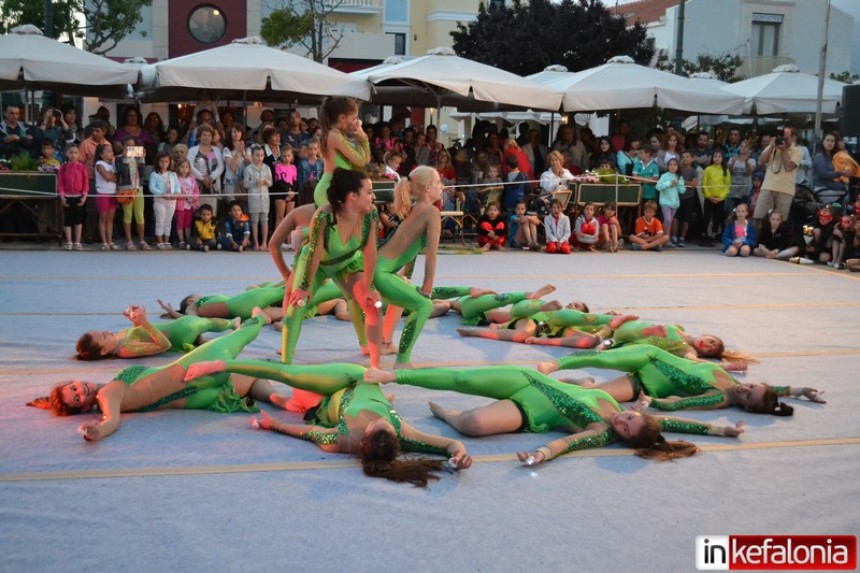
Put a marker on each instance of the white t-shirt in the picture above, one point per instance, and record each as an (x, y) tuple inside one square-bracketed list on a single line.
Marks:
[(103, 186)]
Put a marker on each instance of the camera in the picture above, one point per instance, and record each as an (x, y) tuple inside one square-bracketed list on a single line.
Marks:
[(779, 140), (135, 151), (58, 114)]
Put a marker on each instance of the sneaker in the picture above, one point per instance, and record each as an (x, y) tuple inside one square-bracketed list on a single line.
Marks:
[(187, 246), (105, 247), (67, 246), (839, 266), (78, 247), (635, 247), (681, 244), (218, 247), (183, 245), (659, 249), (674, 241), (241, 248), (205, 248)]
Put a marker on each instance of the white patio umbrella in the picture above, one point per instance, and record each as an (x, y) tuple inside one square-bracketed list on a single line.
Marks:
[(623, 84), (441, 78), (247, 68), (29, 60), (786, 90)]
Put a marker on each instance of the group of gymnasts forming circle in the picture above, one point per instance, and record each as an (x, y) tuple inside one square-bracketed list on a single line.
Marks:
[(342, 269)]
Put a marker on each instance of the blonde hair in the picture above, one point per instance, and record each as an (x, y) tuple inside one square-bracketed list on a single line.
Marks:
[(418, 179)]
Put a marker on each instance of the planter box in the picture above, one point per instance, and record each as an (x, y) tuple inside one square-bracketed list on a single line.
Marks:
[(28, 205)]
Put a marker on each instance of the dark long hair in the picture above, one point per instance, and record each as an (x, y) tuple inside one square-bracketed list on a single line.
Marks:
[(343, 182), (331, 109), (650, 443), (770, 404), (379, 451)]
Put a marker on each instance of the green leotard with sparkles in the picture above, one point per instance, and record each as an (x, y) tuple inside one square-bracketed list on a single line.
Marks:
[(544, 402), (214, 392), (344, 394), (243, 304), (321, 189), (396, 290), (182, 332), (633, 333), (474, 309), (660, 373), (338, 262), (554, 323)]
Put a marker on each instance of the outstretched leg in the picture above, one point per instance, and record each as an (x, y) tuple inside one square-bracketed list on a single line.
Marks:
[(396, 291), (500, 417)]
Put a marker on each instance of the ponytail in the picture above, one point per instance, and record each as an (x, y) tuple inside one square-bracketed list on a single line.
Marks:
[(379, 452), (403, 197), (770, 404), (650, 443)]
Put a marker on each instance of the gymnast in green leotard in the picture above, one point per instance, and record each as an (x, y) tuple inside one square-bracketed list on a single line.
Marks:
[(669, 382), (342, 247), (420, 226), (344, 145), (527, 400), (147, 339), (482, 307), (352, 418), (142, 389), (268, 298), (534, 322)]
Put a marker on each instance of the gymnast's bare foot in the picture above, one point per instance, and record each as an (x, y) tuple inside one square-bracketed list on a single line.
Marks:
[(440, 412), (475, 292), (619, 320), (587, 382), (387, 348), (551, 306), (541, 292), (260, 312), (403, 366)]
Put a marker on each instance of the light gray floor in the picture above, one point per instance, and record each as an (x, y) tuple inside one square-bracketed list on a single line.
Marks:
[(196, 491)]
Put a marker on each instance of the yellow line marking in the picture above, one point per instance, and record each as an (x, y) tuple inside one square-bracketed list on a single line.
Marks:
[(352, 463)]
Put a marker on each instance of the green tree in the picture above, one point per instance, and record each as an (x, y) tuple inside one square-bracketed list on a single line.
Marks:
[(526, 38), (723, 66), (845, 77), (105, 22), (304, 23)]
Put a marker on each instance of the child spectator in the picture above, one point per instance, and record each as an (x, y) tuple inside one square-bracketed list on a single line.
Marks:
[(741, 166), (493, 188), (716, 182), (646, 170), (187, 203), (557, 226), (775, 240), (205, 231), (306, 192), (757, 179), (523, 229), (165, 189), (129, 178), (258, 179), (516, 185), (310, 167), (649, 231), (392, 165), (237, 232), (284, 186), (688, 200), (492, 229), (49, 160), (106, 194), (670, 186), (586, 229), (610, 228), (388, 221), (73, 186), (171, 139), (739, 236)]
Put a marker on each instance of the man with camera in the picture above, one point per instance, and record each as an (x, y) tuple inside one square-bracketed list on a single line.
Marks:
[(780, 160)]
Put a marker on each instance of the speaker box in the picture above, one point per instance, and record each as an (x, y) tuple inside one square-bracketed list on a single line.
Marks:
[(851, 110)]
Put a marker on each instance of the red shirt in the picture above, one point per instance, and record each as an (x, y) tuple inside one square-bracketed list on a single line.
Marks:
[(73, 180)]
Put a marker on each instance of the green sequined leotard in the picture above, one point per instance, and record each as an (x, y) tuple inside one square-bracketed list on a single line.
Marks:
[(396, 290), (243, 304), (633, 333), (213, 392), (544, 402), (340, 162), (660, 373), (338, 262), (344, 394), (182, 332)]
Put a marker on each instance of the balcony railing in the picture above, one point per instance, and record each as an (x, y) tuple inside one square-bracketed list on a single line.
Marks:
[(369, 7), (760, 65)]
